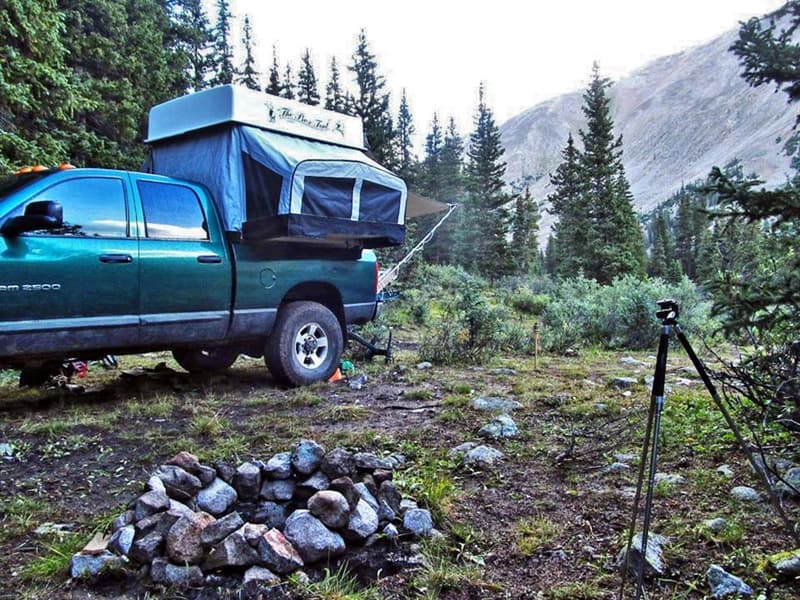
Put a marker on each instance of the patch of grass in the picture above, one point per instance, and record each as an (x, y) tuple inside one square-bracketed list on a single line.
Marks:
[(230, 446), (19, 515), (431, 483), (356, 438), (64, 447), (535, 533), (344, 412), (336, 585), (305, 396), (456, 400), (443, 571), (420, 395), (579, 590), (159, 407), (208, 425), (733, 533), (55, 562), (463, 389)]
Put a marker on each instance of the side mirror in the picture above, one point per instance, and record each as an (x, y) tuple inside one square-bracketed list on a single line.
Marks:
[(43, 214)]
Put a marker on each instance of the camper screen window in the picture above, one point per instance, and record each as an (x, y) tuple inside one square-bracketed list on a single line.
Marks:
[(262, 189), (379, 204), (328, 197)]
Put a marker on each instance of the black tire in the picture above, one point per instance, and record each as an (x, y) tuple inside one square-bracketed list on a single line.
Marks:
[(210, 360), (305, 345)]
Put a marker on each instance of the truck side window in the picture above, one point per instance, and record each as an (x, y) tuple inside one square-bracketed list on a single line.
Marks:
[(172, 212), (93, 207)]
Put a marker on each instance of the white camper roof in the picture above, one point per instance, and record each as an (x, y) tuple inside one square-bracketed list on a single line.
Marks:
[(236, 104)]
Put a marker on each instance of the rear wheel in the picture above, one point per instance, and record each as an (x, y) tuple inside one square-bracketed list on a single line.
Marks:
[(211, 360), (305, 345)]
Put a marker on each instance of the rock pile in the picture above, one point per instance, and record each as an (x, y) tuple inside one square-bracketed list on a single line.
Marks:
[(260, 520)]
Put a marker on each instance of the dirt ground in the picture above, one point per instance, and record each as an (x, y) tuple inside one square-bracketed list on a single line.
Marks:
[(547, 523)]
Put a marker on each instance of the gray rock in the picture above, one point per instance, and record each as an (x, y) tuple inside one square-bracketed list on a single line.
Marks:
[(365, 495), (7, 450), (252, 532), (482, 457), (654, 556), (154, 484), (363, 522), (367, 461), (316, 483), (787, 566), (462, 448), (179, 508), (278, 553), (386, 514), (162, 571), (626, 458), (215, 532), (716, 525), (233, 551), (424, 366), (391, 532), (790, 486), (418, 521), (146, 548), (217, 498), (278, 489), (257, 578), (330, 507), (725, 471), (247, 481), (338, 463), (180, 484), (206, 475), (502, 426), (307, 456), (670, 478), (745, 494), (184, 545), (123, 520), (225, 471), (346, 487), (624, 383), (503, 371), (381, 475), (89, 566), (494, 404), (186, 461), (150, 503), (407, 504), (161, 522), (724, 584), (279, 466), (121, 540), (389, 495), (632, 362), (270, 514), (617, 467), (312, 539), (357, 382)]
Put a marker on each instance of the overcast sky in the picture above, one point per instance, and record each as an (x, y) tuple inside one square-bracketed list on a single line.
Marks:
[(525, 51)]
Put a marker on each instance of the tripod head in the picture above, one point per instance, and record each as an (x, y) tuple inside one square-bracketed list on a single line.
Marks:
[(667, 311)]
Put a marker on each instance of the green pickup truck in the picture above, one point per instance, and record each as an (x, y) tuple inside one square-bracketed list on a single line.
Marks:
[(261, 255)]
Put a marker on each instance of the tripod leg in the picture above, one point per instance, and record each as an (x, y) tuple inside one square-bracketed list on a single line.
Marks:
[(745, 447)]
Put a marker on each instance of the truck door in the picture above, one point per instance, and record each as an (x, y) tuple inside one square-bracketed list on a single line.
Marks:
[(186, 280), (74, 287)]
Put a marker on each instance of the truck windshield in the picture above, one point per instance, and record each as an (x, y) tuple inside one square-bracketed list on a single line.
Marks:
[(11, 183)]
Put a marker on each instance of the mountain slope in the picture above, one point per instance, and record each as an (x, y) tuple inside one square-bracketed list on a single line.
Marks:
[(679, 116)]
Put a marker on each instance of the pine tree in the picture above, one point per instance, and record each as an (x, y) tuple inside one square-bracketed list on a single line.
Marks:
[(335, 98), (288, 85), (371, 103), (616, 243), (37, 96), (248, 76), (307, 91), (222, 57), (524, 234), (194, 39), (484, 219), (274, 85), (551, 256), (664, 262), (569, 203), (405, 134)]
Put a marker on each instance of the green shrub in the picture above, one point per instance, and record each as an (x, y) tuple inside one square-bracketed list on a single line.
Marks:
[(524, 300), (620, 315)]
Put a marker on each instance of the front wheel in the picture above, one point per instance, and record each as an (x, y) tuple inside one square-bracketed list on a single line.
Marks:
[(305, 345), (211, 360)]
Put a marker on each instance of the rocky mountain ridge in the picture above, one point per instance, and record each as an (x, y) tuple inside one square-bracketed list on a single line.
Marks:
[(679, 116)]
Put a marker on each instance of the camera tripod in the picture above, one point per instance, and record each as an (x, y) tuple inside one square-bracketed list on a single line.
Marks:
[(668, 313)]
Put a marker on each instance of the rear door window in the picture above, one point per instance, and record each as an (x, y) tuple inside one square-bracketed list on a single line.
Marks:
[(172, 212)]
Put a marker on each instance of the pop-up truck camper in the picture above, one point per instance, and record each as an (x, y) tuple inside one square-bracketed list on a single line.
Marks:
[(252, 233), (279, 170)]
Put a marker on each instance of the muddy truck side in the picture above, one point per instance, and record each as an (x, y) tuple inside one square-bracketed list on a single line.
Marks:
[(96, 262)]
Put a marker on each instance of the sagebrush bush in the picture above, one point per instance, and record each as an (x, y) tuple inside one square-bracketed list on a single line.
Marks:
[(620, 315)]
